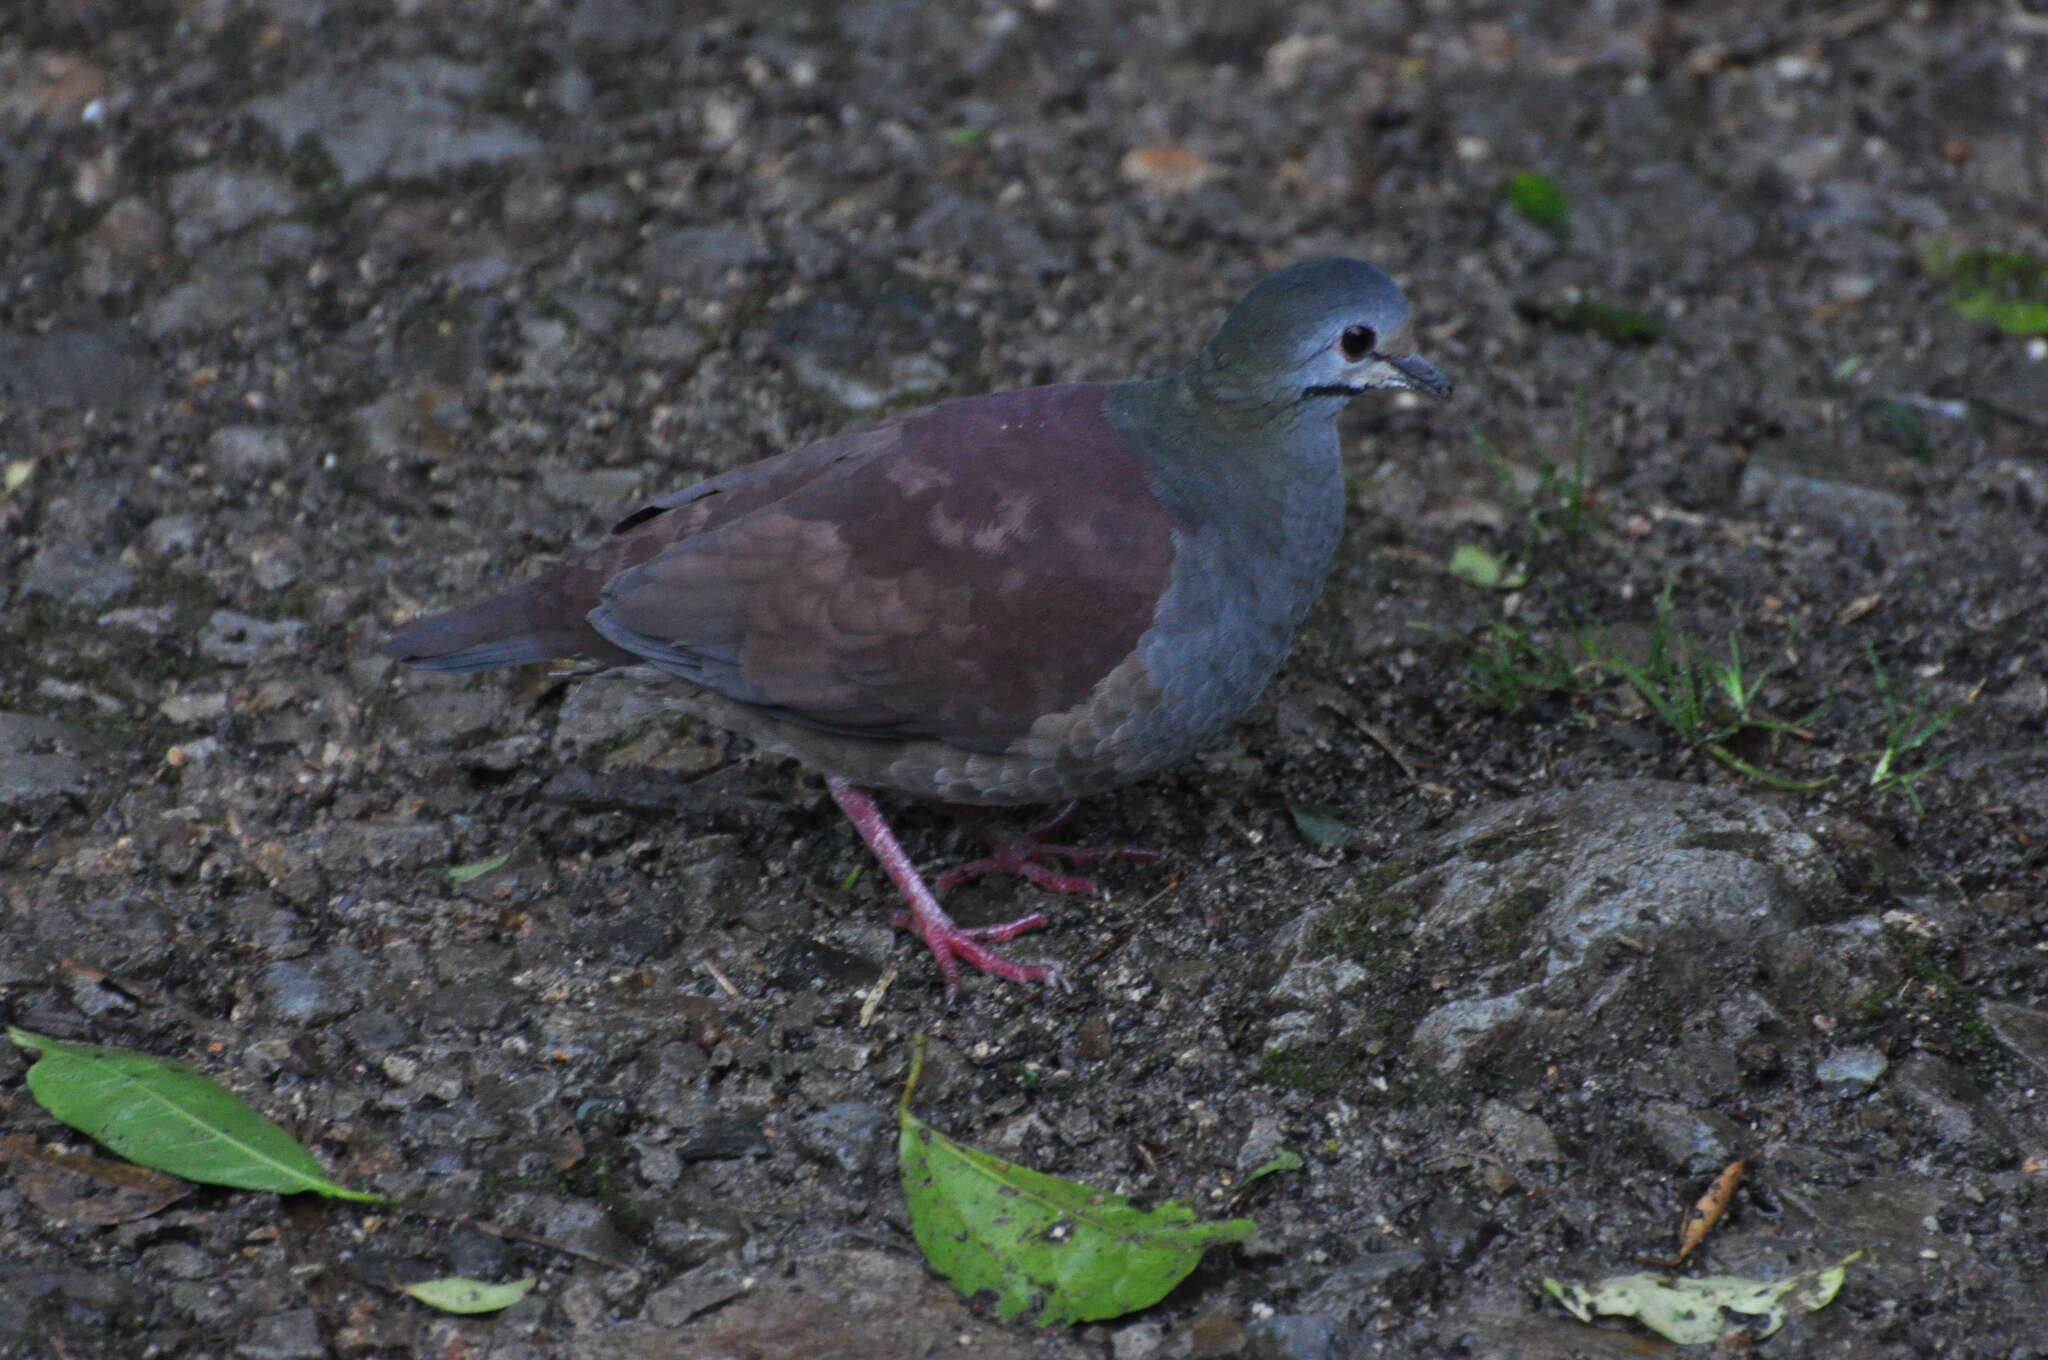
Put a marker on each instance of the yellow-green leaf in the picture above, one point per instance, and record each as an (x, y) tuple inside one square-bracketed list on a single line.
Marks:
[(2008, 288), (163, 1114), (1688, 1310), (1538, 198), (459, 1294), (1063, 1250), (466, 873), (1470, 562), (1283, 1159)]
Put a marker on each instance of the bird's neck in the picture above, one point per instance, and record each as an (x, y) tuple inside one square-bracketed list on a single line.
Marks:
[(1200, 448)]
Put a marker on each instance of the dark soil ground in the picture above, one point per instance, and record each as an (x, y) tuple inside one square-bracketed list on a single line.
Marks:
[(313, 317)]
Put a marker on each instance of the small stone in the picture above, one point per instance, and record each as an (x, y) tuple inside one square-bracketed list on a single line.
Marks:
[(849, 1135), (403, 118), (698, 262), (242, 639), (69, 572), (1520, 1136), (187, 710), (211, 201), (694, 1292), (1851, 1071), (284, 1336), (1167, 170), (2022, 1029), (248, 450), (168, 535), (1693, 1140), (105, 367)]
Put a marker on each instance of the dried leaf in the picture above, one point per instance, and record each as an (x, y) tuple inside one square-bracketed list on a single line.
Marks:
[(1689, 1311), (84, 1190)]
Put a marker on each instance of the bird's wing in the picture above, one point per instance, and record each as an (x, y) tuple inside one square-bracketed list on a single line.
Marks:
[(981, 564)]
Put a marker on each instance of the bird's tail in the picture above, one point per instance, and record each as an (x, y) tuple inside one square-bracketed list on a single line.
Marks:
[(494, 632), (516, 628)]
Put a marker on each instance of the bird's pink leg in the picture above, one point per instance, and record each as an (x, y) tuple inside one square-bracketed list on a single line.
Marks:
[(1028, 856), (948, 942)]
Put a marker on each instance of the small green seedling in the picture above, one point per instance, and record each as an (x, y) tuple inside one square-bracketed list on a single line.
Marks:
[(1706, 701), (1907, 728)]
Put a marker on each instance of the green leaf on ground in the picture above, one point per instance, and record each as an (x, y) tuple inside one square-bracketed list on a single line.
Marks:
[(1538, 198), (1069, 1251), (162, 1114), (1622, 325), (469, 873), (1688, 1311), (2008, 288), (1285, 1159), (457, 1294), (1319, 826), (1470, 562)]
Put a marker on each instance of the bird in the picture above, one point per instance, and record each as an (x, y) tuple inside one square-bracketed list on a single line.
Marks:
[(1023, 597)]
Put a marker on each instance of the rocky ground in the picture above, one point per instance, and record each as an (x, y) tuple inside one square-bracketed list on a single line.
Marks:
[(316, 316)]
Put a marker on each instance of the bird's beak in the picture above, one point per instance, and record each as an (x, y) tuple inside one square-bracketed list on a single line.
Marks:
[(1420, 375)]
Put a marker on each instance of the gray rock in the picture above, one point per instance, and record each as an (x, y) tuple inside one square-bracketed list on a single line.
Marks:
[(1521, 1136), (1295, 1336), (68, 571), (1956, 1107), (386, 844), (960, 228), (206, 304), (1851, 1071), (849, 1135), (1634, 858), (698, 261), (451, 717), (284, 1336), (2022, 1029), (1453, 1035), (1574, 887), (605, 710), (606, 490), (1693, 1140), (1842, 510), (168, 535), (211, 201), (302, 993), (872, 350), (104, 367), (672, 345), (30, 779), (405, 118), (1314, 983), (248, 450), (242, 639), (694, 1292)]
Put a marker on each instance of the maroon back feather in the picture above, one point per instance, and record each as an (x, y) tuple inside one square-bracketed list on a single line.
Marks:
[(957, 572)]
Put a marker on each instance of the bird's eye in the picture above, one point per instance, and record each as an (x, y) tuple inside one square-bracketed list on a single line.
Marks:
[(1357, 342)]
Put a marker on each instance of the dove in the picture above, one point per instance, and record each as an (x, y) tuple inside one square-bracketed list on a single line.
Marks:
[(1018, 598)]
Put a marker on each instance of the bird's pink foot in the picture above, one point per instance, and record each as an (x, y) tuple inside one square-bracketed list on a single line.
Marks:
[(951, 944), (1032, 858)]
